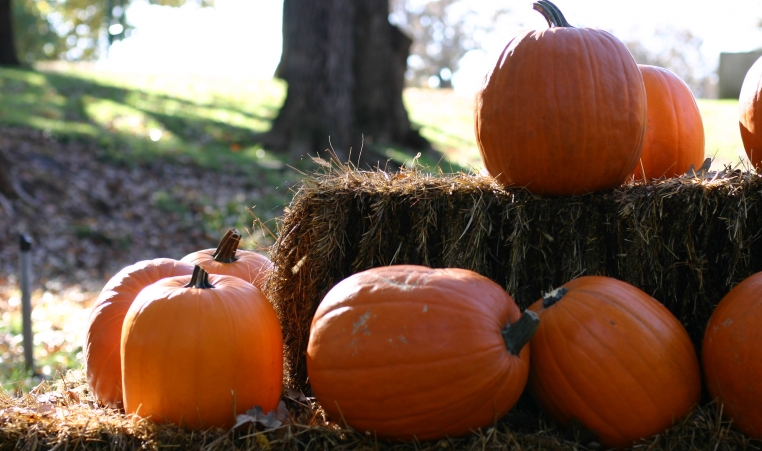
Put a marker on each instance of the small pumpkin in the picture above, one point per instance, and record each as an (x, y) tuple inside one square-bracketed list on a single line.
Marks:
[(611, 358), (408, 351), (563, 111), (103, 364), (198, 350), (227, 259), (750, 109), (732, 357), (675, 131)]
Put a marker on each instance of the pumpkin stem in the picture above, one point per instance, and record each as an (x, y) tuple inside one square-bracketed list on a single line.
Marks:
[(518, 334), (551, 13), (554, 296), (199, 279), (228, 246)]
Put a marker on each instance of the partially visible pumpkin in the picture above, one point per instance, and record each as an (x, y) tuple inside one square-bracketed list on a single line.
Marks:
[(732, 356), (675, 131), (197, 351), (409, 352), (101, 352), (750, 109), (563, 111), (227, 259), (609, 357)]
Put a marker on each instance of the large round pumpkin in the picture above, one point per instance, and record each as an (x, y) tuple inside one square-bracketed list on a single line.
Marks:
[(227, 259), (103, 363), (198, 350), (750, 106), (563, 111), (412, 352), (611, 358), (732, 356), (675, 131)]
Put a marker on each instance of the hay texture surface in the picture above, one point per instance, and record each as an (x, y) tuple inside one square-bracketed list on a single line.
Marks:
[(685, 241), (63, 415)]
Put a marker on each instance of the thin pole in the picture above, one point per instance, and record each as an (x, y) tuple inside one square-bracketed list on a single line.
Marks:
[(26, 300)]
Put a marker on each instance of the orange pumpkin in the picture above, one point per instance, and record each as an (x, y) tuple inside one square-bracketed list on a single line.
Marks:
[(750, 106), (102, 358), (227, 259), (675, 131), (563, 111), (612, 358), (198, 350), (412, 352), (732, 357)]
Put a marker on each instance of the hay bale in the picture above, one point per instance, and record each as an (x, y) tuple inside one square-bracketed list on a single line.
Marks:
[(686, 241), (64, 415)]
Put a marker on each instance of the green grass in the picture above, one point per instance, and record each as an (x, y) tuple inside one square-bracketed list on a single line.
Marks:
[(139, 118), (721, 131)]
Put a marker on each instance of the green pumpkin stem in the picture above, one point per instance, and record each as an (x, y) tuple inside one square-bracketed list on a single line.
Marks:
[(551, 13), (199, 279), (518, 334), (228, 246), (554, 296)]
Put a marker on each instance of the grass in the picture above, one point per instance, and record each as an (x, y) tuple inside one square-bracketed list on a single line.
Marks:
[(207, 122)]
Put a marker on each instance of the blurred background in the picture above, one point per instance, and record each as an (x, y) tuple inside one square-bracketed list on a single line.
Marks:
[(455, 41)]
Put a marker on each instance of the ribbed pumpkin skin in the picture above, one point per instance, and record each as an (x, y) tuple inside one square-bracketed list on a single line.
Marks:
[(675, 131), (249, 266), (563, 112), (409, 351), (102, 359), (750, 109), (196, 357), (612, 357), (732, 356)]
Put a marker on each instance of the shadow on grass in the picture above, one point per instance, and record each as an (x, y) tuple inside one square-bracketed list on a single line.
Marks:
[(138, 125)]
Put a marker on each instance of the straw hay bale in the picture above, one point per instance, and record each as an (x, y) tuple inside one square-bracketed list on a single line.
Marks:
[(64, 416), (686, 241)]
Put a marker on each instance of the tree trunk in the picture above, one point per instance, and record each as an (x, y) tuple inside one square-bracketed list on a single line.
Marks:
[(344, 64), (8, 56)]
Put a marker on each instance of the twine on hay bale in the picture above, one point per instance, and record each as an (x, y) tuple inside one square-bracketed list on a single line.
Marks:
[(64, 415), (686, 241)]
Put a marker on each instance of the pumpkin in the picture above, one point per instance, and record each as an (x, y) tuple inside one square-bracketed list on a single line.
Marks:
[(675, 131), (103, 364), (750, 106), (408, 352), (198, 350), (227, 259), (611, 358), (732, 357), (563, 111)]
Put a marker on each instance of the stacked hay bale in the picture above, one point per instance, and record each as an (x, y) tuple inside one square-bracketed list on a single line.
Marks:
[(685, 240)]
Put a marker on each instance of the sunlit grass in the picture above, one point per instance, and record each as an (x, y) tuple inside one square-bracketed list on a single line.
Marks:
[(721, 131)]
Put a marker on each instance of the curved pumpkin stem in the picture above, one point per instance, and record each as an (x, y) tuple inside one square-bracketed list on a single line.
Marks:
[(228, 246), (554, 296), (551, 13), (199, 279), (518, 334)]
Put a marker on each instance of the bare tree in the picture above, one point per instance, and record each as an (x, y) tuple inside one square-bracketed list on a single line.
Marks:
[(344, 64), (443, 32), (680, 52), (8, 55)]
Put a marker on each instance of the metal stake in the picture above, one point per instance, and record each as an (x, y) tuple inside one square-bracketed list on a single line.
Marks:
[(26, 300)]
